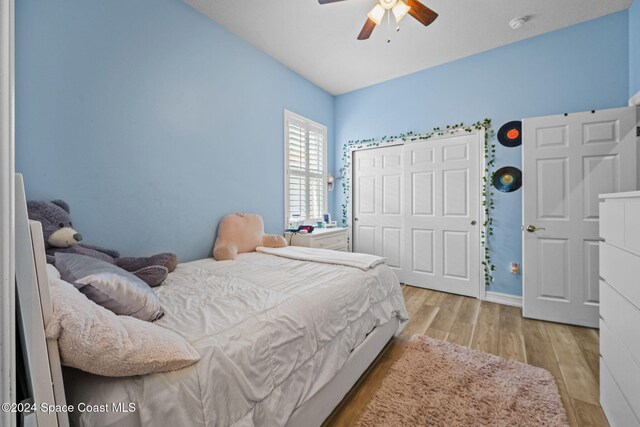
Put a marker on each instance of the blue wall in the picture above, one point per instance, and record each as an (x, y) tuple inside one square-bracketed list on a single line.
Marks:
[(151, 121), (579, 68), (634, 48)]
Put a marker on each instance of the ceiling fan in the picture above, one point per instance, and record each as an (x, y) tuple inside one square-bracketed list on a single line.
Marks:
[(399, 8)]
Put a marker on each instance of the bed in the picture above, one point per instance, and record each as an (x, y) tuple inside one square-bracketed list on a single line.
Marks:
[(281, 342)]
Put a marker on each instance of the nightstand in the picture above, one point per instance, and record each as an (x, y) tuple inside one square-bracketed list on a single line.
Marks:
[(323, 238)]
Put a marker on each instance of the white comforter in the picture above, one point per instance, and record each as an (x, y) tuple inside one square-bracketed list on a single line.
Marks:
[(271, 331)]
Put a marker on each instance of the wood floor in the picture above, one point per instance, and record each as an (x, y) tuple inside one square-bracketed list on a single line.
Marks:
[(570, 353)]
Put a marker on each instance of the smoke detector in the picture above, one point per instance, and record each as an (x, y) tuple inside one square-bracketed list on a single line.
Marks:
[(516, 23)]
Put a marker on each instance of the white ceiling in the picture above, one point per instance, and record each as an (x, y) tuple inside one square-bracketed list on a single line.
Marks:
[(319, 41)]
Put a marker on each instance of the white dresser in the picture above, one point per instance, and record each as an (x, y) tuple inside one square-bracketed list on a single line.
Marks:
[(324, 238), (620, 308)]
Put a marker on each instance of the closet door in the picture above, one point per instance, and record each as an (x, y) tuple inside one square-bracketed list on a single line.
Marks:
[(442, 214), (378, 204), (418, 205)]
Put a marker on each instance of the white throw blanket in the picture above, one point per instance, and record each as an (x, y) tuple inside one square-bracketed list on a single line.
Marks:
[(350, 259)]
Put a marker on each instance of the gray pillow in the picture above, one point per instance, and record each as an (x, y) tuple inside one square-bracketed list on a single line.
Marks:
[(109, 286)]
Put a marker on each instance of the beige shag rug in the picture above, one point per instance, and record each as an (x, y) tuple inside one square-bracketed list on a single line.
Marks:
[(435, 383)]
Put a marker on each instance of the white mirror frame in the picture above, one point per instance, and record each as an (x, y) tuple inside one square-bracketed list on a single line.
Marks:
[(7, 210)]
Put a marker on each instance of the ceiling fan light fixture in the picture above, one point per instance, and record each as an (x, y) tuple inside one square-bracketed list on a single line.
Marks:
[(376, 14), (387, 4), (400, 10)]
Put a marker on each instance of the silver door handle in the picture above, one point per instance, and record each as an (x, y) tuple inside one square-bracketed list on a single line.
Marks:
[(533, 228)]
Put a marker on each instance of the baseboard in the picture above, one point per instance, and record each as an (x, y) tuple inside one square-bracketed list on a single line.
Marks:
[(506, 299), (635, 100)]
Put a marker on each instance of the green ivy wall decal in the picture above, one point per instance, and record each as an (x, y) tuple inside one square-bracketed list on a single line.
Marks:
[(409, 137)]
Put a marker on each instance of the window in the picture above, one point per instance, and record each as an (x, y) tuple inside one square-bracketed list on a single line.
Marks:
[(305, 148)]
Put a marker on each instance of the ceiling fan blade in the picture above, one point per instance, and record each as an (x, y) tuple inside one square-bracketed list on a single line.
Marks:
[(367, 29), (328, 1), (421, 12)]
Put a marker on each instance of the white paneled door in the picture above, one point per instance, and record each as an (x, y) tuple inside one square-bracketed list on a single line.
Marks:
[(442, 216), (568, 160), (418, 204), (378, 203)]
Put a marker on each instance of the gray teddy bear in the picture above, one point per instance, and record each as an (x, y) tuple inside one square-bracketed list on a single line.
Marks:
[(59, 236)]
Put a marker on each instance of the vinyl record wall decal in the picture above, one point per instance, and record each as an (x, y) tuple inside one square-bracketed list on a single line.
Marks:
[(507, 179), (510, 134)]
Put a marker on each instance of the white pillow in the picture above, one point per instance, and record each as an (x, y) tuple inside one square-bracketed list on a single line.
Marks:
[(52, 271), (94, 339)]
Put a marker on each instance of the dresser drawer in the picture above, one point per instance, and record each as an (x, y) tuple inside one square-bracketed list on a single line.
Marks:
[(612, 221), (620, 316), (622, 368), (330, 241), (621, 270), (613, 403), (342, 247), (632, 225)]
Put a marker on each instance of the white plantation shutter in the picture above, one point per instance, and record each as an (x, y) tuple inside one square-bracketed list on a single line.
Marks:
[(305, 169)]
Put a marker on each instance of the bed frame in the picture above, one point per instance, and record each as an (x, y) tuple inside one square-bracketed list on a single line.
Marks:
[(43, 359)]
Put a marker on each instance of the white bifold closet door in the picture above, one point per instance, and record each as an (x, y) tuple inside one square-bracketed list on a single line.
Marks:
[(378, 204), (418, 204)]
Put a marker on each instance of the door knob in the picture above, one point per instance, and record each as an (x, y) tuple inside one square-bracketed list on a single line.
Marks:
[(473, 222), (355, 219), (533, 228)]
